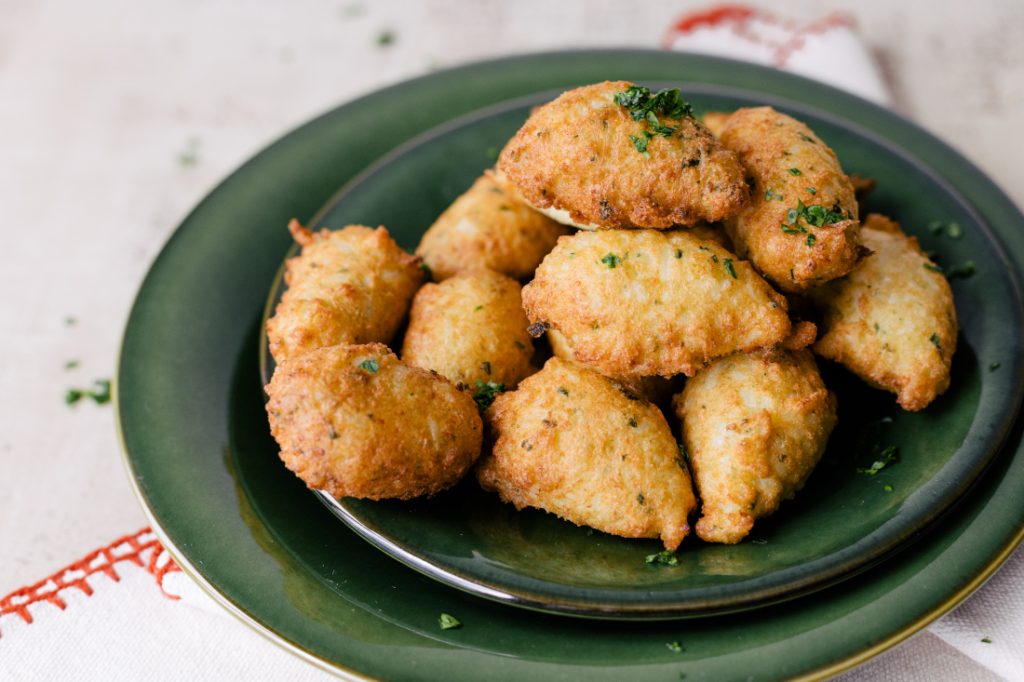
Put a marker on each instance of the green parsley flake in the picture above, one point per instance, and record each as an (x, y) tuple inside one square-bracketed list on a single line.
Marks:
[(70, 321), (370, 365), (954, 231), (794, 171), (99, 393), (812, 191), (612, 261), (729, 268), (563, 390), (674, 647), (986, 640), (933, 267), (679, 253), (645, 108), (385, 38), (520, 345), (640, 143), (448, 622), (70, 364), (662, 558), (485, 393), (486, 366), (994, 366), (885, 458), (934, 338), (887, 488), (772, 194), (805, 138), (478, 309)]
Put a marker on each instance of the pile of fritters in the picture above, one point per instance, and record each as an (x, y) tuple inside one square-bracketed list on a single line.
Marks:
[(662, 256)]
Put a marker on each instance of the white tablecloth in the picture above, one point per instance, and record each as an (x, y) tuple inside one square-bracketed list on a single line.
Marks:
[(117, 116)]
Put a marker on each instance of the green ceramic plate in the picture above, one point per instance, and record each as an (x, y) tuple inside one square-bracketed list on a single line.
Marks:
[(470, 540), (191, 416)]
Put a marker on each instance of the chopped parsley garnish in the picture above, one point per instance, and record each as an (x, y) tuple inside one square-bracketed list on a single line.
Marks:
[(794, 171), (640, 142), (962, 272), (69, 321), (934, 338), (370, 365), (885, 458), (563, 390), (190, 157), (954, 230), (448, 622), (674, 647), (611, 260), (520, 345), (662, 558), (805, 138), (486, 392), (729, 268), (887, 488), (815, 215), (478, 309), (679, 253), (646, 108), (811, 190), (772, 194), (933, 267), (99, 393), (986, 640), (994, 366), (385, 38), (70, 364)]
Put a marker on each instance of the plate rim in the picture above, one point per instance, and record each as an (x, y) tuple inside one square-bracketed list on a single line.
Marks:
[(998, 552)]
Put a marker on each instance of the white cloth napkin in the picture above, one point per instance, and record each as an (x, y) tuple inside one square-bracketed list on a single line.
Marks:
[(126, 612)]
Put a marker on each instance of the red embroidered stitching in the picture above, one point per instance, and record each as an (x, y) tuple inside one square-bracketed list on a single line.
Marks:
[(739, 18), (103, 560)]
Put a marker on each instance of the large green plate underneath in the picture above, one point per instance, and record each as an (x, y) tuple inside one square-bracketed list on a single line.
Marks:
[(198, 449)]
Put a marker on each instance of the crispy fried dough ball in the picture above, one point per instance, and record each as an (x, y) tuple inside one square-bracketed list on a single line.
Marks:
[(653, 388), (891, 321), (644, 302), (349, 286), (577, 159), (488, 227), (574, 443), (791, 167), (754, 426), (356, 422), (470, 328)]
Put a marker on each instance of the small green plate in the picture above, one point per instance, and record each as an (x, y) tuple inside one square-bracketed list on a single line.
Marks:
[(198, 451), (470, 540)]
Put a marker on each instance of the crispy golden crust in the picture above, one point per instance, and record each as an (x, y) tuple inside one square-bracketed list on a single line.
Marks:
[(785, 161), (891, 321), (715, 121), (488, 227), (575, 155), (754, 427), (349, 286), (571, 442), (470, 328), (356, 422), (643, 302), (653, 388)]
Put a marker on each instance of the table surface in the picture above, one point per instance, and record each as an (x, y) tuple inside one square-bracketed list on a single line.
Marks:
[(116, 117)]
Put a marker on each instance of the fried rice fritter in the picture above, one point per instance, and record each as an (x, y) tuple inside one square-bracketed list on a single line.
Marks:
[(891, 321), (488, 227), (576, 444), (348, 286), (586, 161), (754, 426), (800, 228), (354, 421), (470, 328), (646, 302)]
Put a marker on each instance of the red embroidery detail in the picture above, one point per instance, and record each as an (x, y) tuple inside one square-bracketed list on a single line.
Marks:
[(141, 548), (739, 19)]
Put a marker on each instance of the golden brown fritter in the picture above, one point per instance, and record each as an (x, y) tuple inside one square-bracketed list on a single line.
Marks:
[(470, 328), (891, 321), (488, 227), (356, 422), (578, 159), (645, 302), (574, 443), (653, 388), (800, 228), (349, 286), (754, 427)]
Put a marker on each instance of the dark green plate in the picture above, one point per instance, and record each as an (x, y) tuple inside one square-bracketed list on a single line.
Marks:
[(470, 540), (198, 450)]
